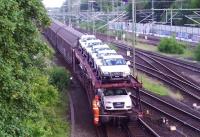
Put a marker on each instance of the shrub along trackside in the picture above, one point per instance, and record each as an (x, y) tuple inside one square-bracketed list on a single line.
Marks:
[(170, 45), (59, 77), (197, 53)]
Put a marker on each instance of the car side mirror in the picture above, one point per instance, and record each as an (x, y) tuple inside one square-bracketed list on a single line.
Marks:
[(129, 93), (128, 63), (128, 53), (81, 67)]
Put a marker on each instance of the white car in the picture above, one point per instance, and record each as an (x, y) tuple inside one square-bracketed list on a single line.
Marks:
[(89, 44), (113, 68), (115, 99), (96, 58), (95, 43), (96, 49), (84, 39)]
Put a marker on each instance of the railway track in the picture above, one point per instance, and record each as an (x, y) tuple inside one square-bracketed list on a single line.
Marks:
[(107, 131), (177, 62), (187, 72), (170, 113), (118, 131), (155, 68), (136, 128), (187, 119), (190, 97), (160, 67), (167, 75), (140, 128), (185, 64)]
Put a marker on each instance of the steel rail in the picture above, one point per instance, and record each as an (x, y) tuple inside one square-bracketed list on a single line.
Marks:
[(167, 81), (169, 115), (153, 132), (169, 104)]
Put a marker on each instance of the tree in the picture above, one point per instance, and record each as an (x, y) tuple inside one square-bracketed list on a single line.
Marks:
[(25, 92)]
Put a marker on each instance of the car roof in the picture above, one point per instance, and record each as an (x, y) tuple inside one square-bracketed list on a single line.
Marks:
[(113, 56), (87, 36), (101, 46), (107, 51), (93, 40)]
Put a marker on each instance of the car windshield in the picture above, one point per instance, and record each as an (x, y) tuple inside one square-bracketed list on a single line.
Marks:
[(91, 38), (105, 54), (114, 61), (108, 54), (99, 49), (115, 92), (83, 40), (97, 43), (89, 45)]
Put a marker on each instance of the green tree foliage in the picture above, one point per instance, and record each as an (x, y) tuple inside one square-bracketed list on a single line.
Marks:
[(170, 45), (197, 53), (165, 4), (59, 77), (25, 93), (195, 3), (145, 4)]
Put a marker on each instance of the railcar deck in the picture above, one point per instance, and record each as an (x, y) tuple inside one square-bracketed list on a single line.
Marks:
[(97, 83)]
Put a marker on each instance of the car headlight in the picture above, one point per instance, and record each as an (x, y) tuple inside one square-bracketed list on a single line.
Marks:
[(125, 74), (108, 107), (106, 73), (108, 102)]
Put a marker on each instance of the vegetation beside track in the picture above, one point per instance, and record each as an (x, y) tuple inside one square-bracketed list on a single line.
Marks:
[(113, 46), (28, 101), (59, 77), (197, 53), (157, 87), (153, 85), (188, 52), (171, 45)]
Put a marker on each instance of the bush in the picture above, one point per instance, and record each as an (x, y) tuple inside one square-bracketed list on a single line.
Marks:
[(170, 45), (59, 77), (197, 53)]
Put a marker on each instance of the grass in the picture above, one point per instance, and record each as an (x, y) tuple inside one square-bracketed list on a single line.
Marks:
[(62, 126), (158, 87), (188, 53), (146, 47), (154, 85), (113, 47)]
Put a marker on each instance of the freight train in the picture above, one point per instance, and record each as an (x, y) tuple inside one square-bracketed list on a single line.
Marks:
[(107, 91)]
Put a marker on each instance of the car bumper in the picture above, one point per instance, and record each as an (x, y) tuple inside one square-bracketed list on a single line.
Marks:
[(107, 78), (113, 111)]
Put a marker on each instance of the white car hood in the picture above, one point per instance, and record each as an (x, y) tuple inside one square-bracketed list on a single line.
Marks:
[(116, 68), (94, 56), (118, 98), (83, 44), (89, 50), (98, 61)]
